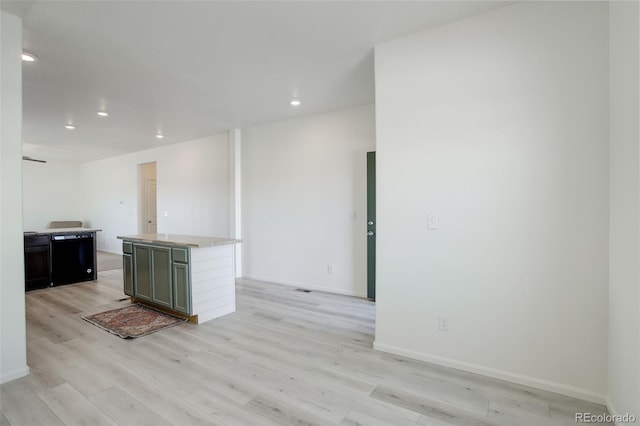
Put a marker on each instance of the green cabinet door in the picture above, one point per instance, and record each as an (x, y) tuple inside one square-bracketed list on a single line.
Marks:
[(158, 274), (142, 272), (181, 288), (127, 271), (161, 276), (181, 280)]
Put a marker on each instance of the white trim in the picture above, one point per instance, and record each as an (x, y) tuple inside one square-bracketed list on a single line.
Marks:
[(496, 374), (235, 195), (614, 413), (15, 374), (306, 286), (612, 410), (110, 252)]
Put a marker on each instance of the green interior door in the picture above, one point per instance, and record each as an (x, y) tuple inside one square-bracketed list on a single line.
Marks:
[(371, 225)]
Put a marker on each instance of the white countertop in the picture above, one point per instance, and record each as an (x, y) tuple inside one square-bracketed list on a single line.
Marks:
[(50, 231), (179, 240)]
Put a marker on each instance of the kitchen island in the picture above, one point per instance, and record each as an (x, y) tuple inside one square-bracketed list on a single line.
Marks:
[(188, 275)]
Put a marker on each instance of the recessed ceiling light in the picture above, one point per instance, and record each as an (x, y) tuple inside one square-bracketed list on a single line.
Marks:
[(70, 127), (103, 113), (29, 57), (295, 102), (159, 136)]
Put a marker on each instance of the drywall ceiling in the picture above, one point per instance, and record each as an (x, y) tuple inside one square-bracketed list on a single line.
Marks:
[(192, 69)]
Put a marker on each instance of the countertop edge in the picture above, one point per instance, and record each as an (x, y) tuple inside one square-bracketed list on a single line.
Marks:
[(60, 231), (170, 240)]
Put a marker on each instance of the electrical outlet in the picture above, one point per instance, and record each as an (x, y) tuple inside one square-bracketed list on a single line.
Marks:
[(433, 222), (330, 269), (443, 322)]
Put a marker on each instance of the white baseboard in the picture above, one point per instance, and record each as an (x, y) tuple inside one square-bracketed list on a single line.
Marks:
[(108, 251), (496, 374), (616, 415), (15, 374), (612, 409), (304, 285)]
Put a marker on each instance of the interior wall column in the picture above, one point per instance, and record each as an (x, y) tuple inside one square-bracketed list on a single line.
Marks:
[(235, 193), (13, 336)]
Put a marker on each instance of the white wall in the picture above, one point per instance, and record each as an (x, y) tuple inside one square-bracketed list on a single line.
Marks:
[(624, 220), (51, 191), (304, 200), (498, 125), (193, 188), (13, 346)]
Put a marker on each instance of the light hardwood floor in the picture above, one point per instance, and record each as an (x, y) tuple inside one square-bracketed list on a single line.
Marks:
[(285, 357), (106, 261)]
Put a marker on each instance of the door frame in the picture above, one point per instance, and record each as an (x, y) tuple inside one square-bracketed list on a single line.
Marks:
[(371, 225), (150, 189), (146, 171)]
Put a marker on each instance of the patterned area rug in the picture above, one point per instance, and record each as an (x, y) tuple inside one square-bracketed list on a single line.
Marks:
[(133, 321)]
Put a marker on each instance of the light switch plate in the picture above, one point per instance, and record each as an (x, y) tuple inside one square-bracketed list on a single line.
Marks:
[(443, 322)]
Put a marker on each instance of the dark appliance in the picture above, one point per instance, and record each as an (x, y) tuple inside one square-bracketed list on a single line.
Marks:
[(37, 269), (72, 258)]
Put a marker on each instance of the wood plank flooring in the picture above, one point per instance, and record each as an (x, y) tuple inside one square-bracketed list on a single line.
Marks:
[(106, 261), (284, 358)]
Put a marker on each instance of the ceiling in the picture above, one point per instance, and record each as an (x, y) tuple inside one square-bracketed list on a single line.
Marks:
[(191, 69)]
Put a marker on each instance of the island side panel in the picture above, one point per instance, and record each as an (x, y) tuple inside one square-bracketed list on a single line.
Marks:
[(213, 287)]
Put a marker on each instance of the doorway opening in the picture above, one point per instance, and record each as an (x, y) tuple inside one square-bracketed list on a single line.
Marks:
[(147, 198)]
